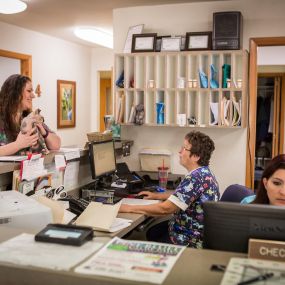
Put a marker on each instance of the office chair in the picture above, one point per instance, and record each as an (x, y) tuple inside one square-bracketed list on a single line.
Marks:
[(235, 193)]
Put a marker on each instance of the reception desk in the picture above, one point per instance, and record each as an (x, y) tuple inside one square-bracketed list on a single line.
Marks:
[(192, 267)]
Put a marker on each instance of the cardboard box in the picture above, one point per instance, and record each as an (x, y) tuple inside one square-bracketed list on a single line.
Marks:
[(151, 159)]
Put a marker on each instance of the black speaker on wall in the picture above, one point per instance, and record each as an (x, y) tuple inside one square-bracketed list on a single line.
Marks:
[(227, 30)]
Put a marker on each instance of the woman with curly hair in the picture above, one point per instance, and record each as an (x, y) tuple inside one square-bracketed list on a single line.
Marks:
[(185, 227), (16, 97)]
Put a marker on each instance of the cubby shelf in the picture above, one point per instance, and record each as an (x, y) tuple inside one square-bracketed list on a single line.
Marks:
[(173, 78)]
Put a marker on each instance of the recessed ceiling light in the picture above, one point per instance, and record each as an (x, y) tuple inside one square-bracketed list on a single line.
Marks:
[(12, 6), (96, 36)]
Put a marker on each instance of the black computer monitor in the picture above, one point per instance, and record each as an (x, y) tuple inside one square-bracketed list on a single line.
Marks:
[(228, 226), (102, 159)]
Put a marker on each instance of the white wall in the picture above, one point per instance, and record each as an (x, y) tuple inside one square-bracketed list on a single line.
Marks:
[(102, 59), (8, 66), (54, 59), (271, 55), (262, 18)]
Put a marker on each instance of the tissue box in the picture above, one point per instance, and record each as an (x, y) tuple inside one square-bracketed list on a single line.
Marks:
[(151, 159)]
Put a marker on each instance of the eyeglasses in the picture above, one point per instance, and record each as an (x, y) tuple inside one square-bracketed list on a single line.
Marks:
[(185, 148)]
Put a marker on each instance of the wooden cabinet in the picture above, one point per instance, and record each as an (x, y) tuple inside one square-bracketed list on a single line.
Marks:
[(173, 80)]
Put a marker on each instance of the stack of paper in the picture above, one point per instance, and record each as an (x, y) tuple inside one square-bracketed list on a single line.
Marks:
[(225, 111), (143, 261), (120, 109), (132, 115), (236, 120), (102, 217)]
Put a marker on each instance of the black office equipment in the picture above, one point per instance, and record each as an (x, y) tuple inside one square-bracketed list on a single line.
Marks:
[(76, 206), (133, 181), (228, 226), (65, 234), (227, 30)]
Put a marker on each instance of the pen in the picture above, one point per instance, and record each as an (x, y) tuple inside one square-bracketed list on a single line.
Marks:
[(258, 278)]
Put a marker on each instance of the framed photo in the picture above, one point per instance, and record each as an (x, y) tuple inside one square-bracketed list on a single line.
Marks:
[(171, 44), (144, 42), (132, 30), (198, 41), (66, 104), (158, 42)]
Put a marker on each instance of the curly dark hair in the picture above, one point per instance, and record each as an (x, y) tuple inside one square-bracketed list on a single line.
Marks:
[(11, 95), (278, 162), (201, 145)]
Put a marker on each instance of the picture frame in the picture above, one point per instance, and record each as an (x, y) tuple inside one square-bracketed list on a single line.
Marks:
[(144, 42), (158, 42), (171, 44), (137, 29), (66, 104), (198, 41)]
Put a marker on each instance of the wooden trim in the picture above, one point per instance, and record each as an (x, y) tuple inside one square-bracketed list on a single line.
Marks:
[(251, 135), (25, 60), (282, 115)]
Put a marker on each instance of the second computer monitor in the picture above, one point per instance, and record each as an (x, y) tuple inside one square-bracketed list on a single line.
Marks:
[(102, 158), (229, 226)]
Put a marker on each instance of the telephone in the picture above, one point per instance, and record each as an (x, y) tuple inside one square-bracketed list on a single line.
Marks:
[(76, 206)]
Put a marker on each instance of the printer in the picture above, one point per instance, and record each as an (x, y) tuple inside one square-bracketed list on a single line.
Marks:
[(19, 211)]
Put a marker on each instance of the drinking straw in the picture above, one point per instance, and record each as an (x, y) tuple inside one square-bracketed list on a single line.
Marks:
[(162, 163)]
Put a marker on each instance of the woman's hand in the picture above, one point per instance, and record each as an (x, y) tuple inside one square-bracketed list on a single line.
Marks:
[(28, 139), (124, 208), (41, 129), (148, 195)]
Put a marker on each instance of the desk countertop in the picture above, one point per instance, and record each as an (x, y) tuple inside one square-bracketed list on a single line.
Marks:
[(193, 267)]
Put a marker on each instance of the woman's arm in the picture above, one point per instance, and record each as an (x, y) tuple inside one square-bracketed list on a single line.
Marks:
[(22, 141), (52, 140), (160, 209)]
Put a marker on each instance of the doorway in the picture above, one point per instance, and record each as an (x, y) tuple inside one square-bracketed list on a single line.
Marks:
[(106, 100), (25, 61), (269, 134), (253, 83)]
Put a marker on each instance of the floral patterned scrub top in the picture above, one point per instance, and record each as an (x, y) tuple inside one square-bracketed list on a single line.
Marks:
[(186, 225)]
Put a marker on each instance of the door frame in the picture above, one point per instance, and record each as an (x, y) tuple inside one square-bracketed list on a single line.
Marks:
[(25, 61), (254, 43)]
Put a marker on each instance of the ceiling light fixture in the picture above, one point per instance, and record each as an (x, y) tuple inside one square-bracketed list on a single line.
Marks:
[(95, 35), (12, 6)]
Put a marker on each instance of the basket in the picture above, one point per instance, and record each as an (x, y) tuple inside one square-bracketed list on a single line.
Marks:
[(99, 137)]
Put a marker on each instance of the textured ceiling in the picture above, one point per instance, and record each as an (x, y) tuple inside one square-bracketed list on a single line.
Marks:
[(58, 18)]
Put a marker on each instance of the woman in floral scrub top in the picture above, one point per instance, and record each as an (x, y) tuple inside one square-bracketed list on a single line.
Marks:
[(199, 185)]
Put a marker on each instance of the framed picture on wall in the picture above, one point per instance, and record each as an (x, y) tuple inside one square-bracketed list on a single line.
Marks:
[(66, 104), (144, 42), (198, 41)]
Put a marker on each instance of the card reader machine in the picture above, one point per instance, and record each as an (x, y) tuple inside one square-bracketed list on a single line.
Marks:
[(65, 234)]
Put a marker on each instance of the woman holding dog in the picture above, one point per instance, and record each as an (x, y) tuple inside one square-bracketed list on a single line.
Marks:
[(16, 97)]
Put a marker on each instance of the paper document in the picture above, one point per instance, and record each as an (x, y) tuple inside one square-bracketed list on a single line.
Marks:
[(70, 153), (244, 269), (71, 172), (99, 216), (24, 250), (133, 201), (13, 158), (133, 260), (33, 168)]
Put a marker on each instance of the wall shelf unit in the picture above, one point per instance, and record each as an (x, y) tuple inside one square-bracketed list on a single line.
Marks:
[(173, 78)]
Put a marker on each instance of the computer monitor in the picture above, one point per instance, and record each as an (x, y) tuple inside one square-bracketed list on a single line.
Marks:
[(228, 226), (102, 159)]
